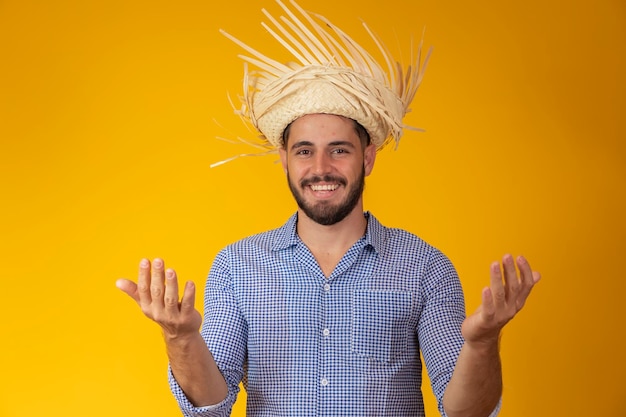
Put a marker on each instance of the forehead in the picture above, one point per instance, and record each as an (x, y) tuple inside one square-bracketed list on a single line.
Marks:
[(321, 129)]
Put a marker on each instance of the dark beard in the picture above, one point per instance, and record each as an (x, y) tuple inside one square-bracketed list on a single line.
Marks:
[(324, 213)]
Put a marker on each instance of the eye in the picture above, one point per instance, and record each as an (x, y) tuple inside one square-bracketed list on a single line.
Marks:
[(303, 152), (339, 151)]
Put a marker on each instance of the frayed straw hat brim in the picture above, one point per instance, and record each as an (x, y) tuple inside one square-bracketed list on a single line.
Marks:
[(331, 73)]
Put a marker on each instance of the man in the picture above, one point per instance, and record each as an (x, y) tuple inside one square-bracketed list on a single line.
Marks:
[(328, 314)]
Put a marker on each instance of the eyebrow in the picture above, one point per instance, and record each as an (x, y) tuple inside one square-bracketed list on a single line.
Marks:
[(304, 143)]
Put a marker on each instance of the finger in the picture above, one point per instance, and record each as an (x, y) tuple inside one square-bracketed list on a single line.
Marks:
[(497, 287), (189, 298), (129, 288), (157, 283), (528, 278), (171, 292), (511, 280), (143, 284)]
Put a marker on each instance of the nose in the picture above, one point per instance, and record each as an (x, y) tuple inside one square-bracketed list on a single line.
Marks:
[(321, 163)]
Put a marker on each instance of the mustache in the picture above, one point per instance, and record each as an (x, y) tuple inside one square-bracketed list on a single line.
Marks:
[(326, 178)]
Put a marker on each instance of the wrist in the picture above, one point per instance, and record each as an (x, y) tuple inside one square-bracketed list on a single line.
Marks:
[(486, 346), (179, 339)]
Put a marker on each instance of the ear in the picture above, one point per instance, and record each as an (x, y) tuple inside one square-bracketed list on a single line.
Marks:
[(283, 158), (369, 157)]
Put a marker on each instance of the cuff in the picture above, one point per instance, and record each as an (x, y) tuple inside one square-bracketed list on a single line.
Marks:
[(189, 410)]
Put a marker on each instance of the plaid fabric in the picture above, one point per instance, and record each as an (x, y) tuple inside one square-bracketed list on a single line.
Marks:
[(346, 345)]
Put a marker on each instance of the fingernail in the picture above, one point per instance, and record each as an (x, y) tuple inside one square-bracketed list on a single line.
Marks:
[(169, 273), (158, 263), (144, 263)]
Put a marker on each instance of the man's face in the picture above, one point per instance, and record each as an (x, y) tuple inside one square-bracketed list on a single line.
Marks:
[(326, 166)]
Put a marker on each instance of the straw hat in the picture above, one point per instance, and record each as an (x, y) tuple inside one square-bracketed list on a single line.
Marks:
[(331, 74)]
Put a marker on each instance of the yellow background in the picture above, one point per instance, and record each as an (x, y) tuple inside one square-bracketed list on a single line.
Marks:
[(108, 116)]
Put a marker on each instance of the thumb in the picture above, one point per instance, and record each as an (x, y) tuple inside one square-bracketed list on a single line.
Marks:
[(488, 307), (187, 303), (129, 287)]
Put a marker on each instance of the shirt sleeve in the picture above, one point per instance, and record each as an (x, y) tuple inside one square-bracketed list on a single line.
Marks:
[(189, 410), (224, 330), (439, 329)]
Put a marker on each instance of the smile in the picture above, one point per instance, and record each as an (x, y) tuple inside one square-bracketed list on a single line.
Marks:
[(324, 187)]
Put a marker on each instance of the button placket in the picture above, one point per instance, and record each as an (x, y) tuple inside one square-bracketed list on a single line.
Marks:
[(325, 332)]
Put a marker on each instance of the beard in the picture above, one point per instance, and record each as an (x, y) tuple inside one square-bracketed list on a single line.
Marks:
[(324, 212)]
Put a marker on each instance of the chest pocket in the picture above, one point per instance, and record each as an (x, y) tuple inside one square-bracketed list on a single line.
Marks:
[(380, 323)]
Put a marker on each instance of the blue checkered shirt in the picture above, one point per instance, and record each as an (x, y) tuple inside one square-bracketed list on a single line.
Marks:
[(346, 345)]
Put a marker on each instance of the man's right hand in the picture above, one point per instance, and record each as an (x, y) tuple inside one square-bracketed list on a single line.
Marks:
[(156, 292), (191, 362)]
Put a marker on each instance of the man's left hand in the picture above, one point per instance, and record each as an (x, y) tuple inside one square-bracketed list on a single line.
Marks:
[(501, 301)]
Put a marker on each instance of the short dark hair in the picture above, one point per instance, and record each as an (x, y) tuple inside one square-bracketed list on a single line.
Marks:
[(364, 136)]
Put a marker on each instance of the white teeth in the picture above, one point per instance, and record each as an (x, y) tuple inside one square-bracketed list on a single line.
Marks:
[(324, 187)]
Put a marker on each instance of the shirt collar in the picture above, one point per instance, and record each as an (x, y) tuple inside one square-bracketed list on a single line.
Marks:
[(287, 235), (374, 235)]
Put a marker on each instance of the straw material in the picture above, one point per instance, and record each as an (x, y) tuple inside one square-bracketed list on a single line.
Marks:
[(331, 74)]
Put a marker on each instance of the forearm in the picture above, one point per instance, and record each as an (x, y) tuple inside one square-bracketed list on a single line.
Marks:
[(195, 370), (476, 384)]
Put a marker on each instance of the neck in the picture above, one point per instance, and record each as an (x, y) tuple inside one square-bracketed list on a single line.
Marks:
[(329, 243)]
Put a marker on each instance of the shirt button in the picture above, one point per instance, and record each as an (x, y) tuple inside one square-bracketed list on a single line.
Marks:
[(326, 287), (324, 382), (326, 332)]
